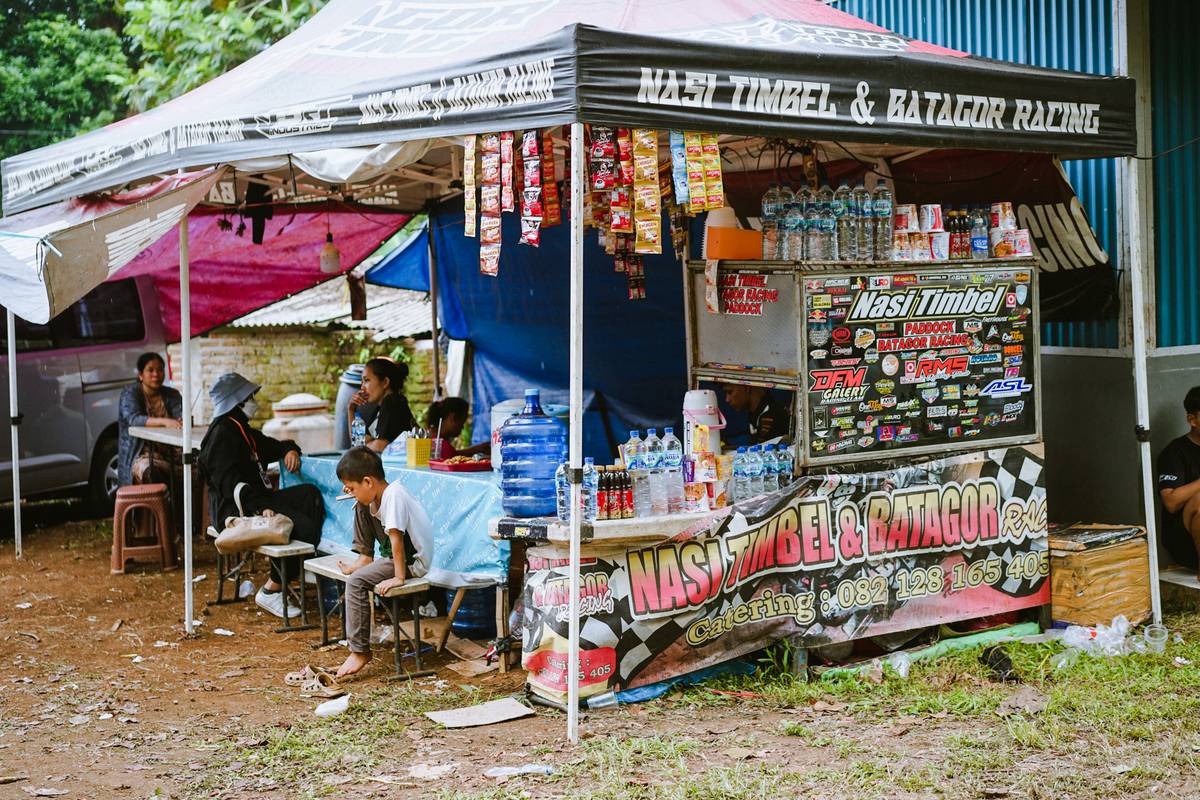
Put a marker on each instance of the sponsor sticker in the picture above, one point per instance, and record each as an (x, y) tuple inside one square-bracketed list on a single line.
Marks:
[(972, 325), (888, 401), (816, 315), (1012, 372), (880, 282), (1012, 361), (887, 433), (935, 411), (890, 364), (1008, 387), (842, 334), (844, 362), (930, 395), (951, 392), (884, 386), (818, 355), (1014, 408), (866, 441), (871, 355), (822, 301), (818, 337), (864, 338)]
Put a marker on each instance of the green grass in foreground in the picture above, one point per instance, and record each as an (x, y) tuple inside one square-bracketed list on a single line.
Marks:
[(1110, 728)]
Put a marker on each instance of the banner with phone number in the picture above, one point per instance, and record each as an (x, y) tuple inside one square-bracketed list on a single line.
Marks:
[(835, 556)]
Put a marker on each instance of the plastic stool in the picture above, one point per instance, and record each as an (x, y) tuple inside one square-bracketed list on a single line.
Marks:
[(153, 498)]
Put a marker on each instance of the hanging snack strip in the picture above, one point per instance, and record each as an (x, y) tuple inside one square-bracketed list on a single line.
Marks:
[(489, 201), (647, 202), (551, 203), (469, 207), (714, 188), (693, 151), (507, 203), (679, 168), (604, 177), (531, 191)]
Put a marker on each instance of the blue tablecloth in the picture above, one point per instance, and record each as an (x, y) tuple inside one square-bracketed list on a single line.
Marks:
[(459, 505)]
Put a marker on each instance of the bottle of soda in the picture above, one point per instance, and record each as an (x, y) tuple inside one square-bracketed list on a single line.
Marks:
[(626, 495)]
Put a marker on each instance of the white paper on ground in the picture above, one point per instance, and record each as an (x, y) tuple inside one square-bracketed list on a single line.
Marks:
[(486, 714)]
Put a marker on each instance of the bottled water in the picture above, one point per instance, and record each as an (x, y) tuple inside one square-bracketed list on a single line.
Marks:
[(827, 238), (812, 232), (673, 462), (825, 194), (786, 196), (655, 473), (860, 198), (563, 489), (740, 489), (754, 471), (532, 446), (635, 465), (979, 235), (784, 464), (771, 216), (806, 198), (793, 236), (881, 210), (589, 495), (770, 468), (358, 431), (846, 222)]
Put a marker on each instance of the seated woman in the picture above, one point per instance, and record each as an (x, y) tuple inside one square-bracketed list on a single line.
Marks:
[(450, 415), (382, 385), (146, 403), (233, 453)]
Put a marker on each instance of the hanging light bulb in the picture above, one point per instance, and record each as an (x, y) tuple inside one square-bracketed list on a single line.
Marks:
[(331, 257)]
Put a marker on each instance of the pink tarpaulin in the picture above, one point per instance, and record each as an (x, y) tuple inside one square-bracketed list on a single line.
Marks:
[(231, 276)]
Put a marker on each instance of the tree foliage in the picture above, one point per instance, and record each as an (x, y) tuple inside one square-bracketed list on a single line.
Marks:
[(58, 79), (185, 43)]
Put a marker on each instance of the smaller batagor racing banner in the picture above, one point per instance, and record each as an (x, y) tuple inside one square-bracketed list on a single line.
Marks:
[(832, 557)]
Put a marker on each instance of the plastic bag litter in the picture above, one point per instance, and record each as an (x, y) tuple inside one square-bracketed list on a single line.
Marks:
[(331, 707), (528, 769), (1102, 640)]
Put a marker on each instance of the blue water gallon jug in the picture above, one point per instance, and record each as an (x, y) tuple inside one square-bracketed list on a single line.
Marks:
[(476, 617), (532, 445)]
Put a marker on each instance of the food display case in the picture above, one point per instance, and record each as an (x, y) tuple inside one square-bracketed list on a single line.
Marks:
[(885, 361)]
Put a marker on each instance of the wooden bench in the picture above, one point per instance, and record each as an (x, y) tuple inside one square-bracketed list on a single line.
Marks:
[(327, 566), (280, 551)]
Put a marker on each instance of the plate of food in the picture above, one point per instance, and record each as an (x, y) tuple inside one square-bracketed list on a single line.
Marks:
[(462, 464)]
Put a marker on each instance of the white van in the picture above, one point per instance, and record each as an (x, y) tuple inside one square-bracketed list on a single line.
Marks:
[(70, 374)]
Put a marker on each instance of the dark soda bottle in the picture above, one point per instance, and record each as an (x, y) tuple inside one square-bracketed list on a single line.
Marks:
[(626, 483), (602, 489)]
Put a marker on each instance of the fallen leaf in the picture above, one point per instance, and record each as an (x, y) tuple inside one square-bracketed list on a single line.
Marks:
[(79, 719), (738, 753), (1120, 769), (821, 705), (116, 625), (233, 673), (37, 638), (1026, 700), (875, 673)]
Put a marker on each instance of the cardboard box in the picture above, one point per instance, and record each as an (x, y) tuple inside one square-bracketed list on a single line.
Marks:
[(733, 244), (1092, 580)]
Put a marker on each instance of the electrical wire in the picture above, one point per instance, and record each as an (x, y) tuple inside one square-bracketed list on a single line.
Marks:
[(1167, 152)]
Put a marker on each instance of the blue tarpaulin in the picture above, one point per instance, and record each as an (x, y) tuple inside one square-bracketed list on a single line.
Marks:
[(635, 366)]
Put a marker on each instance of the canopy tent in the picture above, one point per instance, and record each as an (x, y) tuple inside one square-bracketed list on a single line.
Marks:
[(366, 74)]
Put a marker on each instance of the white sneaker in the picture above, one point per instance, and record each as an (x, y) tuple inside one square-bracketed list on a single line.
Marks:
[(273, 602)]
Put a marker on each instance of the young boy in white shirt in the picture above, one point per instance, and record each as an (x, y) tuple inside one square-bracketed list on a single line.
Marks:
[(389, 514)]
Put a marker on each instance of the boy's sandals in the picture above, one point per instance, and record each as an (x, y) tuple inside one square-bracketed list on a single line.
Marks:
[(304, 676), (323, 685)]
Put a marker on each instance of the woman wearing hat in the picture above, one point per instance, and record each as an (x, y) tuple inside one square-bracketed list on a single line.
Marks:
[(233, 453)]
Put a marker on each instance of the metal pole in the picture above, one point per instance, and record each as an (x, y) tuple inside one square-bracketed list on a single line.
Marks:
[(185, 341), (433, 300), (576, 433), (1140, 314), (14, 423)]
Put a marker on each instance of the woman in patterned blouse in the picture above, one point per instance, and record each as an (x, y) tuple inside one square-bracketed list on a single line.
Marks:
[(147, 403)]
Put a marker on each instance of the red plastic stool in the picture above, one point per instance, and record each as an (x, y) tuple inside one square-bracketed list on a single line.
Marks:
[(153, 498)]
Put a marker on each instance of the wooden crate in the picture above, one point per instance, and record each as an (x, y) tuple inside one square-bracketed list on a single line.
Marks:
[(1092, 585)]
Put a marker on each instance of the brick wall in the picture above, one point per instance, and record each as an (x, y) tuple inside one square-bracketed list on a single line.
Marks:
[(290, 360)]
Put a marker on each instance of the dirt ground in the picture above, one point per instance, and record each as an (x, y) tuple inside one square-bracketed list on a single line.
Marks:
[(101, 696)]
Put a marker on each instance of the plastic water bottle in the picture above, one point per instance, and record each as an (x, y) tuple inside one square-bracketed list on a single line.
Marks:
[(532, 446), (770, 468), (828, 236), (979, 234), (740, 488), (563, 491), (881, 211), (770, 223), (786, 195), (793, 234), (805, 197), (825, 194), (846, 225), (673, 462), (754, 471), (591, 489), (864, 236), (656, 473), (784, 462), (635, 465), (812, 232), (358, 431)]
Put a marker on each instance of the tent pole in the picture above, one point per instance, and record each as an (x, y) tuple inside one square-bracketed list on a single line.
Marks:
[(576, 432), (433, 300), (1141, 314), (185, 340), (14, 415)]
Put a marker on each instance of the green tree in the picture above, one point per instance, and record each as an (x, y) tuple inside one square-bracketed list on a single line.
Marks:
[(58, 79), (185, 43)]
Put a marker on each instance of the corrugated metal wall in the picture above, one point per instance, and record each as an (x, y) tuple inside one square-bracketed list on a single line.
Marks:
[(1174, 73), (1062, 34)]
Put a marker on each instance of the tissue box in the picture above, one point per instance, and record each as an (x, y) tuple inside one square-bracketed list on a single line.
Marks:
[(733, 244)]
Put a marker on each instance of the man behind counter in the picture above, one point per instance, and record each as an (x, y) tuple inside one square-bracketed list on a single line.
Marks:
[(768, 417), (1179, 487)]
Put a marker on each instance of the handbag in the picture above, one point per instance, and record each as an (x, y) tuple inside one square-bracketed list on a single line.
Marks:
[(246, 533)]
